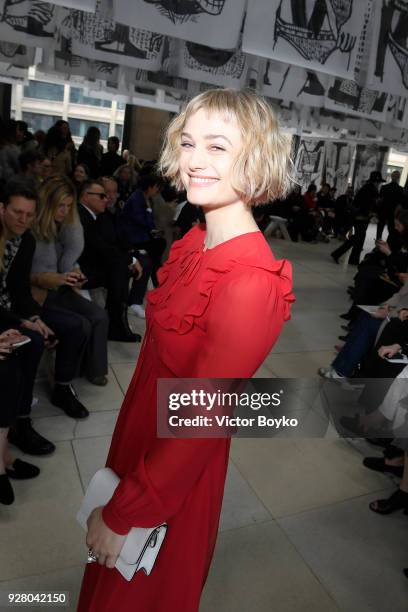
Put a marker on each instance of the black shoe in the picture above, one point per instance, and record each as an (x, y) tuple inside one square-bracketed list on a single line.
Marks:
[(397, 501), (347, 316), (24, 436), (334, 258), (21, 470), (121, 334), (343, 338), (6, 491), (99, 381), (405, 570), (65, 397), (377, 464)]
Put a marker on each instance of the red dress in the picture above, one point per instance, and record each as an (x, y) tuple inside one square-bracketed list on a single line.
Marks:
[(216, 313)]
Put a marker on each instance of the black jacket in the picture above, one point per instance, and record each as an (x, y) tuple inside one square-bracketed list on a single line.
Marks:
[(23, 305), (102, 248)]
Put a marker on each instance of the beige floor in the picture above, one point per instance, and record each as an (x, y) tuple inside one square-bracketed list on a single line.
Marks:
[(296, 534)]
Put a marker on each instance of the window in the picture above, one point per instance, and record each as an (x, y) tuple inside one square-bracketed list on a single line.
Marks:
[(121, 106), (119, 131), (44, 91), (76, 96), (36, 121), (79, 127)]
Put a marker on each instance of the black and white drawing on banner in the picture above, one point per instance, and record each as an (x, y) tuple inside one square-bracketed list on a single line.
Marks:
[(339, 156), (19, 55), (70, 63), (398, 111), (29, 21), (207, 22), (369, 157), (89, 6), (103, 39), (294, 83), (346, 96), (215, 66), (388, 69), (309, 162), (319, 35)]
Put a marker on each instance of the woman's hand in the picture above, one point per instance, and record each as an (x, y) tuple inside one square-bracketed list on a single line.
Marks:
[(389, 351), (72, 279), (383, 247), (105, 543)]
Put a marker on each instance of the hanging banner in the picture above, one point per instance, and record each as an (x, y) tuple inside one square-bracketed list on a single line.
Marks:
[(369, 157), (215, 66), (97, 38), (339, 156), (16, 54), (315, 34), (89, 6), (294, 84), (398, 111), (309, 162), (30, 22), (207, 22), (388, 69), (348, 97)]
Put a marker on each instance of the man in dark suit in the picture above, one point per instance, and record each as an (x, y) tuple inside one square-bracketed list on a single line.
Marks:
[(104, 262), (391, 196), (18, 309)]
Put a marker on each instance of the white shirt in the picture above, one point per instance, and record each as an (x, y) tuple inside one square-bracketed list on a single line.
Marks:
[(90, 211)]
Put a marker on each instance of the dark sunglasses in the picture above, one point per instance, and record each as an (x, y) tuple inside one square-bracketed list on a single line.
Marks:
[(102, 196)]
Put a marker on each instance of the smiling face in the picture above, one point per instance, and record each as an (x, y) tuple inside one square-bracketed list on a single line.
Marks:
[(208, 148)]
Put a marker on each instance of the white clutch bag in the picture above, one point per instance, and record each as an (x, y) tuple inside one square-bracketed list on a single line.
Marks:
[(141, 546)]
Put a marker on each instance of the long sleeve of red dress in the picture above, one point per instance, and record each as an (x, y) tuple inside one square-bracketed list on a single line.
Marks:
[(240, 331)]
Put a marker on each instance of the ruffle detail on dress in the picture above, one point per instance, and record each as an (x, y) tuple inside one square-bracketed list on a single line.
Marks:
[(191, 261)]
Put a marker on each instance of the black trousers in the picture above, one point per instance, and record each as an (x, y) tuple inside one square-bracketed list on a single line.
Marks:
[(155, 249), (72, 333), (95, 324), (114, 276), (139, 287), (356, 243), (17, 377)]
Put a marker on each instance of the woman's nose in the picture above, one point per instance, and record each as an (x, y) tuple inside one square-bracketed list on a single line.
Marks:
[(197, 158)]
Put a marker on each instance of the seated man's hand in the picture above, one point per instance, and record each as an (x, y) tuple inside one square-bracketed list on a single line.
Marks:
[(136, 269), (389, 351)]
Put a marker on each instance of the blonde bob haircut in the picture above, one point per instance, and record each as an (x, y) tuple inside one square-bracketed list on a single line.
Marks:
[(51, 193), (261, 171)]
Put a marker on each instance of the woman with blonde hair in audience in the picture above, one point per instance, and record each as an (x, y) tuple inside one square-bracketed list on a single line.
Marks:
[(56, 282)]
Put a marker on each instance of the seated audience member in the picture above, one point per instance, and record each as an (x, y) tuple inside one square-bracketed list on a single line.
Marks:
[(9, 151), (17, 366), (25, 139), (362, 337), (79, 176), (142, 262), (57, 279), (60, 148), (127, 180), (46, 168), (104, 262), (31, 165), (186, 216), (90, 152), (18, 309), (111, 160), (136, 224), (310, 197)]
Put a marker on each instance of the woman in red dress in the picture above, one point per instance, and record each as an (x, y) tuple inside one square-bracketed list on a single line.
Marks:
[(219, 308)]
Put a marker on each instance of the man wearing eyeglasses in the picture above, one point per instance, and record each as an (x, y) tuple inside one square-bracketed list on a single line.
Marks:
[(104, 262)]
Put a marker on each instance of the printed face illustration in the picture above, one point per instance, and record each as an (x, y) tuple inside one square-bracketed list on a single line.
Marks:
[(314, 27), (179, 11)]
